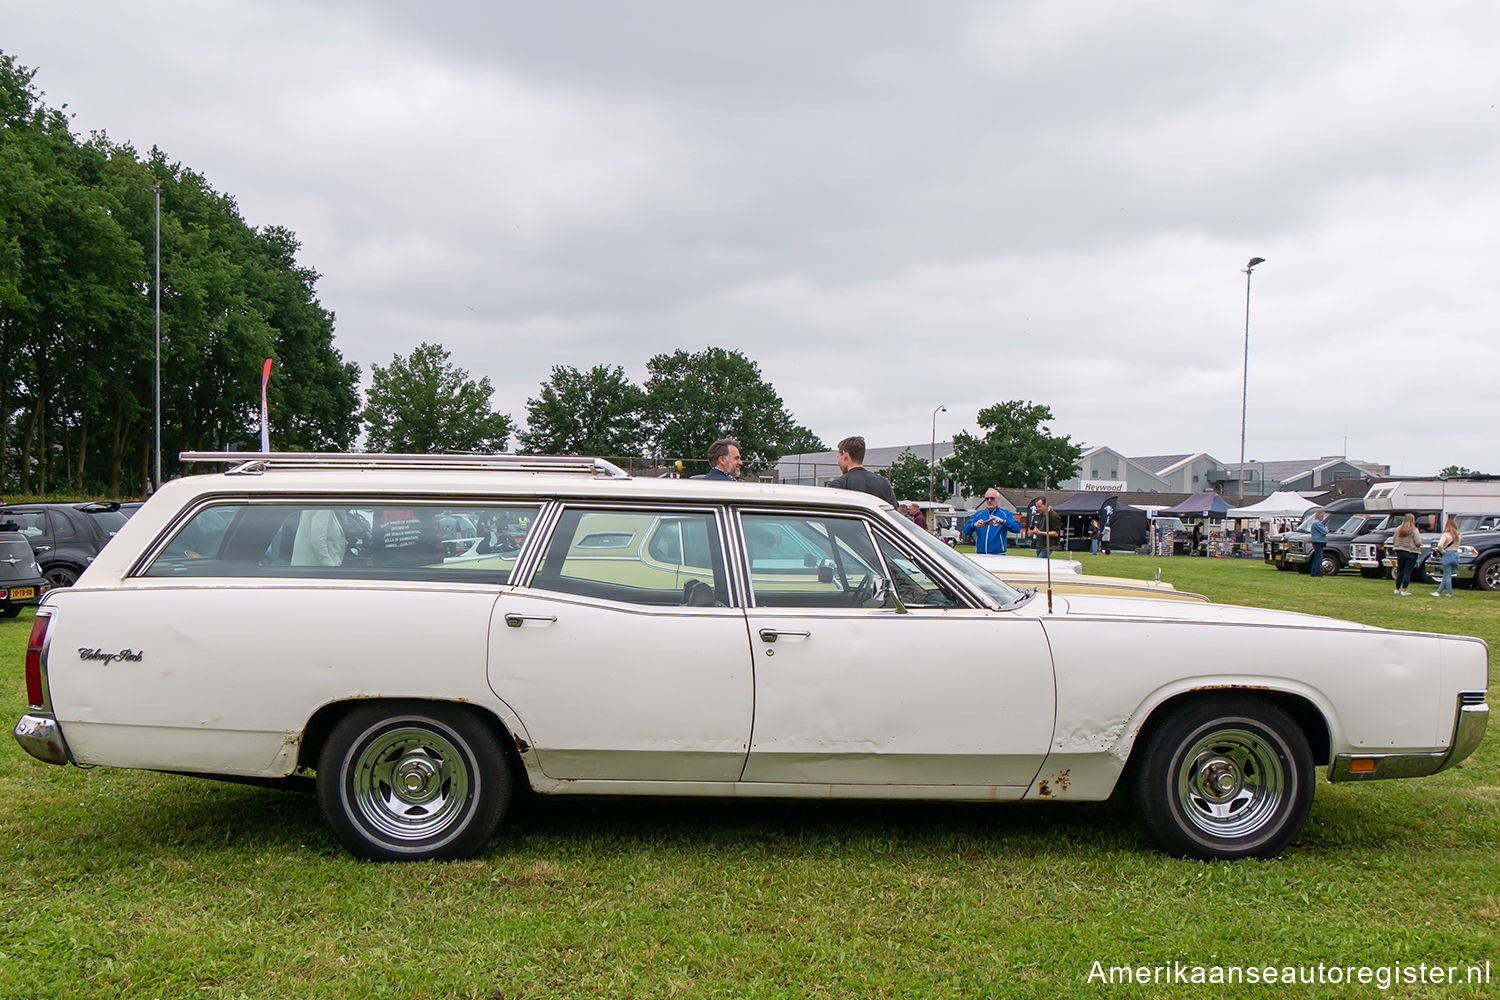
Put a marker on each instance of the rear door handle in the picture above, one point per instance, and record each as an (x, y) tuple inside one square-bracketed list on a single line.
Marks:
[(772, 635), (516, 621)]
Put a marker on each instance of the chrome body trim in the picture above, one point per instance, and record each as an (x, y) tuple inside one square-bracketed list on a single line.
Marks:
[(1469, 724), (40, 736)]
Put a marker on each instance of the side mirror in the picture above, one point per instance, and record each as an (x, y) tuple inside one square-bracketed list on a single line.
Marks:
[(825, 574)]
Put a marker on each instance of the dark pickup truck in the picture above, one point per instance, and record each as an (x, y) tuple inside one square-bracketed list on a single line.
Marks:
[(1428, 562), (1478, 560), (1372, 553), (1346, 520)]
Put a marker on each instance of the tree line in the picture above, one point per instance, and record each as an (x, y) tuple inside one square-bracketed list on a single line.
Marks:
[(78, 350), (424, 402), (77, 336)]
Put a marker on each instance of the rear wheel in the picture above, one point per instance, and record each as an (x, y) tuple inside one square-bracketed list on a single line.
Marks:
[(1224, 779), (11, 610), (412, 782)]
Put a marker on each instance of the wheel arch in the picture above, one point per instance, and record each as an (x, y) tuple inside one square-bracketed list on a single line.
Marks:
[(315, 734), (1304, 712)]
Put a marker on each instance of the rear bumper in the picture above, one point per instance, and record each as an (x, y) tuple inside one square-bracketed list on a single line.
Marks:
[(40, 736), (31, 592), (1468, 730)]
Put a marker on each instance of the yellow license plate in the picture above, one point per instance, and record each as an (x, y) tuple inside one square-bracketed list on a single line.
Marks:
[(16, 593)]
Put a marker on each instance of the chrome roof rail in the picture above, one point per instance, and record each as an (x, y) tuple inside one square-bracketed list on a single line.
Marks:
[(250, 463)]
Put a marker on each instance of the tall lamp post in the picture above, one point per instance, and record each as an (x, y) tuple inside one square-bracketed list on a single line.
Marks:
[(932, 457), (1245, 384)]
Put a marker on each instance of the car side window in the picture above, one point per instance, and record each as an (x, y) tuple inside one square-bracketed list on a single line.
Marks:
[(60, 525), (661, 558), (32, 524), (911, 582), (362, 541), (800, 560)]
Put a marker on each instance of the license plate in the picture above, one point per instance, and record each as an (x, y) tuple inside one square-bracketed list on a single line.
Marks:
[(16, 593)]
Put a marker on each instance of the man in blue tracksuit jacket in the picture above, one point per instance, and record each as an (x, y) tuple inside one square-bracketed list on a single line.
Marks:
[(989, 525)]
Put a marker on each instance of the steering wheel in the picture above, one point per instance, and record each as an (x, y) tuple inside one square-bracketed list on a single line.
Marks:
[(865, 591)]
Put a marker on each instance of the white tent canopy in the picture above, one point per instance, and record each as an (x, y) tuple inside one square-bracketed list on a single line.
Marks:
[(1278, 504)]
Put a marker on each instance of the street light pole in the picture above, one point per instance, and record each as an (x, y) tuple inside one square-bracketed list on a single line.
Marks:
[(156, 309), (1245, 384), (932, 457)]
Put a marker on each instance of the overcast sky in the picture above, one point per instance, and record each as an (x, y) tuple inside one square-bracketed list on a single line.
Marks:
[(890, 207)]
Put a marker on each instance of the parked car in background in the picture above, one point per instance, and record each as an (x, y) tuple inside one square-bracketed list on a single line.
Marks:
[(1338, 552), (21, 580), (1370, 551), (1478, 559), (65, 536), (1066, 576), (688, 638)]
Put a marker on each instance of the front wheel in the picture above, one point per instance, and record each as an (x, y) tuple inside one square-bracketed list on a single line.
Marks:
[(1330, 566), (1487, 576), (412, 782), (1225, 779)]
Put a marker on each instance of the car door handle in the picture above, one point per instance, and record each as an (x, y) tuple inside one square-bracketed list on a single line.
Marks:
[(516, 621), (44, 548), (771, 635)]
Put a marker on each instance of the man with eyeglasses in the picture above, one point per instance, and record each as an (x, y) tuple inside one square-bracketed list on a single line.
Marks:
[(989, 524)]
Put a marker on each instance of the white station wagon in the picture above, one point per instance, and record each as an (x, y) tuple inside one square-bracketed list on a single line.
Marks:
[(423, 632)]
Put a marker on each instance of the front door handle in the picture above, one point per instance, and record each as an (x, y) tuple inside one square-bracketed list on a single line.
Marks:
[(516, 621), (771, 635)]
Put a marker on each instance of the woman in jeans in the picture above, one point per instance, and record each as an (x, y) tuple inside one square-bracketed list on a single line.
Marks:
[(1408, 545), (1447, 548)]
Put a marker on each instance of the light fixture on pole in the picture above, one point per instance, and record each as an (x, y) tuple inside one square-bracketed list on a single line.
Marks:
[(932, 457), (1245, 384)]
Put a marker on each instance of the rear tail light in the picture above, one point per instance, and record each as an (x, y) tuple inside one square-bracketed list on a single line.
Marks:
[(34, 660)]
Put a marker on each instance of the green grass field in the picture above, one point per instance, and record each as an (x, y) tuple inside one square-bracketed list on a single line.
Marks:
[(123, 884)]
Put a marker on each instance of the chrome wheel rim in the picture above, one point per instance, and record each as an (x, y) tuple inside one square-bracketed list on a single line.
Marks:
[(411, 784), (1231, 783)]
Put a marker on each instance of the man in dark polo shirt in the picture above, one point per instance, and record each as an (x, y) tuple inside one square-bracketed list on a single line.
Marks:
[(856, 476)]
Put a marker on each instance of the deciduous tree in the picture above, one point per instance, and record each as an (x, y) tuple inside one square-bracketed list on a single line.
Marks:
[(693, 400), (908, 476), (597, 412), (425, 403), (1015, 449)]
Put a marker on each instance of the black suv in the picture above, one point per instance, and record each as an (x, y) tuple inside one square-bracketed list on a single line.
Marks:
[(64, 536), (21, 580)]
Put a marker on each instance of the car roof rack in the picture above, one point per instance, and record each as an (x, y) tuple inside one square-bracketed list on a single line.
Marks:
[(254, 463)]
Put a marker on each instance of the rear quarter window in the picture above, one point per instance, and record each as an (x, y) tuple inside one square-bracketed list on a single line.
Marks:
[(350, 541)]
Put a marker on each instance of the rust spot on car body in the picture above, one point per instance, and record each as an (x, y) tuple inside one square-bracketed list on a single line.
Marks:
[(1231, 687), (521, 745), (1057, 784)]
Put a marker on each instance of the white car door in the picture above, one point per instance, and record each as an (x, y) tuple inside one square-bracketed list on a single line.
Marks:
[(848, 694), (625, 657)]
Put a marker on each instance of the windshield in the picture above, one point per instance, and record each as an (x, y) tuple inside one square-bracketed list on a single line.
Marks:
[(1345, 526), (960, 565)]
